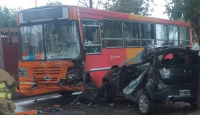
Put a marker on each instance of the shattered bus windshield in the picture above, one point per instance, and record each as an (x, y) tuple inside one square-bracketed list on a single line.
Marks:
[(62, 40), (32, 42)]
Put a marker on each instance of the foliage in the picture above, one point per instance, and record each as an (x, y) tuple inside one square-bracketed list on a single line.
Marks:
[(53, 3), (189, 10), (84, 3), (8, 16), (141, 7)]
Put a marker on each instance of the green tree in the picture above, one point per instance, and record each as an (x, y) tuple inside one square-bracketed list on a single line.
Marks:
[(188, 10), (141, 7), (52, 3), (8, 16)]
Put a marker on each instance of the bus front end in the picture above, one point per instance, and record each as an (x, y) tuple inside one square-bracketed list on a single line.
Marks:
[(51, 55)]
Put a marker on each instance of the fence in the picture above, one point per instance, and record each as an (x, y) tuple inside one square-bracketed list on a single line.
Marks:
[(9, 50)]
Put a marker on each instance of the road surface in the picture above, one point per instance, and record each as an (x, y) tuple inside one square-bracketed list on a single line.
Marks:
[(121, 107)]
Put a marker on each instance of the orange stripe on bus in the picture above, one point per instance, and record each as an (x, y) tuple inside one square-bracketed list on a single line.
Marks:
[(132, 52), (142, 18)]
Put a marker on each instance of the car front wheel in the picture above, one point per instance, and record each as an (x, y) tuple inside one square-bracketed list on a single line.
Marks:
[(145, 104)]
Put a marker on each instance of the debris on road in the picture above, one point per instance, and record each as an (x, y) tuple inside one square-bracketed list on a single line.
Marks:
[(55, 108), (32, 112)]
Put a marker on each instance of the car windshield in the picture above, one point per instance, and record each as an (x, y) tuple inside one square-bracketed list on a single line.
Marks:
[(61, 41)]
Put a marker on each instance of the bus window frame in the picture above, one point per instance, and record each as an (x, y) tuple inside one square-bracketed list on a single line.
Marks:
[(139, 32), (154, 33), (168, 33), (99, 36), (179, 40), (104, 39), (167, 30)]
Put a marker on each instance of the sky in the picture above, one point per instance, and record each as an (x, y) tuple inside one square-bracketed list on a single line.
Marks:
[(159, 7)]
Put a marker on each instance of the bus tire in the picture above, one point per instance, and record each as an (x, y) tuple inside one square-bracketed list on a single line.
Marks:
[(65, 93)]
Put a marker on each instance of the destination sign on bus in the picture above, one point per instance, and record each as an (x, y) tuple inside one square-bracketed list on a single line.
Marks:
[(45, 14)]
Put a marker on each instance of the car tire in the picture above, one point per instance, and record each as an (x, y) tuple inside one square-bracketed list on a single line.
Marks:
[(194, 105), (65, 93), (145, 104)]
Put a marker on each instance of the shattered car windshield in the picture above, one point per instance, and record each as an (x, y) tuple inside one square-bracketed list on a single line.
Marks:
[(62, 40)]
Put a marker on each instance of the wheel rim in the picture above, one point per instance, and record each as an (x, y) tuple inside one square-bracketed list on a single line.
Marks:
[(143, 103)]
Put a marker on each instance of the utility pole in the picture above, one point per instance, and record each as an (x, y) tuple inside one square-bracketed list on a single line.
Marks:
[(35, 3), (90, 2)]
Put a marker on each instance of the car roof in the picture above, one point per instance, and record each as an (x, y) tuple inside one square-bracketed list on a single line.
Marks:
[(156, 48), (145, 55)]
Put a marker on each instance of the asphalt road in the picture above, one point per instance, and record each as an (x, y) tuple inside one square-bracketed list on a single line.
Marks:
[(121, 107)]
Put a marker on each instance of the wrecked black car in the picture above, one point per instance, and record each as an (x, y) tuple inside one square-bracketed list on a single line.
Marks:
[(159, 74)]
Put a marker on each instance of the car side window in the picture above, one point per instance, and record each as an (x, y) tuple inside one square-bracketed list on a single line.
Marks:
[(186, 59), (168, 59)]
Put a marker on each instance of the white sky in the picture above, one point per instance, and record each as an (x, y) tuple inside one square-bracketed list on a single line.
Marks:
[(159, 8)]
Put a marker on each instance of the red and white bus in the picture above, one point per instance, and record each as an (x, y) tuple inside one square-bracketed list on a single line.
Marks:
[(59, 44)]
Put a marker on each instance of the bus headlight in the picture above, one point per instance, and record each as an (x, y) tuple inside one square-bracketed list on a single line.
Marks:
[(71, 75), (22, 72)]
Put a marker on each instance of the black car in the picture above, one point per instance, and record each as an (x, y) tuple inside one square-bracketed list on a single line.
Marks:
[(159, 74)]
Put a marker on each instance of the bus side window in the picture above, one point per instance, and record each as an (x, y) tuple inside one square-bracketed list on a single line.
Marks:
[(131, 34), (113, 33), (161, 34), (173, 35), (184, 37), (148, 36), (91, 36)]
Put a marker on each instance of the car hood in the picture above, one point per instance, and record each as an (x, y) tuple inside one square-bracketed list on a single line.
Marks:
[(142, 57)]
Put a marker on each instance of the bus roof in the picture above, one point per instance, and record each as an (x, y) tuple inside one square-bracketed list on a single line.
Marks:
[(101, 14)]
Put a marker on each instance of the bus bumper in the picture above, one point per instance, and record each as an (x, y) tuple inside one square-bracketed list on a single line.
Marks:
[(27, 90)]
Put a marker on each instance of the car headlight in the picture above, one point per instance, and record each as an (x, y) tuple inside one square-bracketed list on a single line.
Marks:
[(22, 72)]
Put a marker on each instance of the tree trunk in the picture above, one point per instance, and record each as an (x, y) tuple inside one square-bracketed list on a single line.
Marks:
[(195, 22)]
